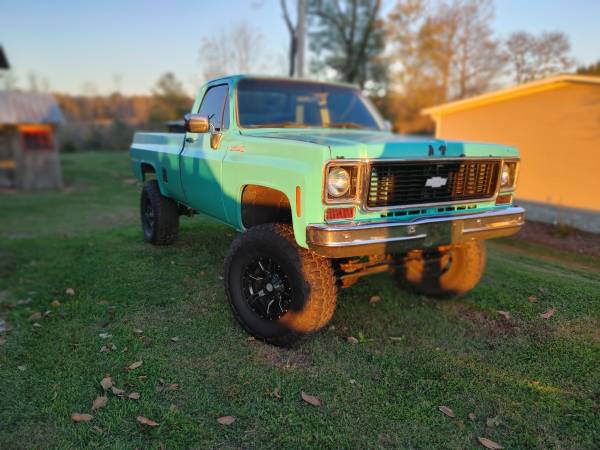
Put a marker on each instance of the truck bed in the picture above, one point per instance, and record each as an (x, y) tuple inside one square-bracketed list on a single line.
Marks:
[(159, 151)]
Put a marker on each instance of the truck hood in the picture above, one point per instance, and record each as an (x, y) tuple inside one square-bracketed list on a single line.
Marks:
[(359, 144)]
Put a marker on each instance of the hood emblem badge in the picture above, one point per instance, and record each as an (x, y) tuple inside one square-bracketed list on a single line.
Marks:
[(436, 182)]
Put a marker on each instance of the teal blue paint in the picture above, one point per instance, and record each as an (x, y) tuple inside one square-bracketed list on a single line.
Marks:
[(212, 180)]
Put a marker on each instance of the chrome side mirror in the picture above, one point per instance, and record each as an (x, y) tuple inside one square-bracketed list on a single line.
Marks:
[(195, 123)]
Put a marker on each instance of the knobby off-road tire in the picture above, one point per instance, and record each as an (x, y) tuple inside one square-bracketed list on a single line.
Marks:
[(444, 272), (159, 215), (304, 280)]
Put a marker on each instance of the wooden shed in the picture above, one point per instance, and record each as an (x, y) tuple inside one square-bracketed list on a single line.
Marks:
[(555, 124), (28, 151)]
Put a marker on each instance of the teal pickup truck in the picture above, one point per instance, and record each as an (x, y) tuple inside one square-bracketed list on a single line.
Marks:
[(323, 194)]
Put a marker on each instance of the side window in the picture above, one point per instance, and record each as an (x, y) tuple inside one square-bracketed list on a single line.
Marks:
[(215, 105)]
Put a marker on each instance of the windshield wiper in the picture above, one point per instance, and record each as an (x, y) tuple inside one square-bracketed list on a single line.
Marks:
[(353, 125), (280, 125)]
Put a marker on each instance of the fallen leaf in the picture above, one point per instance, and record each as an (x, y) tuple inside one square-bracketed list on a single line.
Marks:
[(125, 350), (104, 349), (144, 421), (142, 377), (276, 393), (504, 314), (105, 335), (97, 429), (375, 299), (78, 417), (100, 402), (532, 298), (135, 365), (113, 347), (35, 316), (549, 313), (174, 339), (21, 368), (138, 331), (118, 392), (134, 396), (447, 411), (70, 291), (55, 303), (173, 386), (106, 383), (226, 420), (489, 444), (472, 417), (535, 383), (352, 340), (396, 338), (352, 381), (311, 399), (36, 325)]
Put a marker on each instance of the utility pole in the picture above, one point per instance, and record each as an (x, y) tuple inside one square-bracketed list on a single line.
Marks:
[(300, 36)]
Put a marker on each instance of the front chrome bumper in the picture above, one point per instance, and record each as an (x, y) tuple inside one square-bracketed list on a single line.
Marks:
[(346, 240)]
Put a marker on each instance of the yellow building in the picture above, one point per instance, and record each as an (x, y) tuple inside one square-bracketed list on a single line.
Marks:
[(555, 124)]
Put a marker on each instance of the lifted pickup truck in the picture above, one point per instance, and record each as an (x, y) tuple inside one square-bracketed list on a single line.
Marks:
[(323, 194)]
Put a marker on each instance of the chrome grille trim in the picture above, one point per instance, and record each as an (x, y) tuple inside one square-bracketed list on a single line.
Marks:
[(402, 184)]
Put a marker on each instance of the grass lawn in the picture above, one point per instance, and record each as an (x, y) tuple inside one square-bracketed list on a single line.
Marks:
[(530, 382)]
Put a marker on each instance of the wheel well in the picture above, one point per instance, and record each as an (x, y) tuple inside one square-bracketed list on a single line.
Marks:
[(264, 205), (148, 171)]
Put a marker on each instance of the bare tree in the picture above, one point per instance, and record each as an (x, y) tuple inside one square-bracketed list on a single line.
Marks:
[(520, 47), (552, 53), (533, 57), (478, 59), (293, 32), (348, 38), (239, 50), (439, 51)]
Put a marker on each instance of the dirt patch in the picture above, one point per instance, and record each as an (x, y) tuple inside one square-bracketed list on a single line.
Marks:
[(586, 329), (280, 358), (484, 322), (561, 237)]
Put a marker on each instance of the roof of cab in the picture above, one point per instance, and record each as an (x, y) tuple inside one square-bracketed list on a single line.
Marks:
[(237, 77)]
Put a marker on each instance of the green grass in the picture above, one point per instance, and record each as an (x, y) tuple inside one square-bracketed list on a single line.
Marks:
[(536, 380)]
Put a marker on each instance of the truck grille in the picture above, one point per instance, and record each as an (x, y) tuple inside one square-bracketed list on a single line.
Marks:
[(418, 183)]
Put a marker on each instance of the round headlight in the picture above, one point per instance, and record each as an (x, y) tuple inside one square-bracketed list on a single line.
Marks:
[(505, 177), (338, 182)]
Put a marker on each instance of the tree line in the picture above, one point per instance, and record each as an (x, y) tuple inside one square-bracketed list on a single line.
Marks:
[(418, 54)]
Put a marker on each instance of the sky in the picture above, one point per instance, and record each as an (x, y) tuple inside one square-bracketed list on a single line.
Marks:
[(85, 46)]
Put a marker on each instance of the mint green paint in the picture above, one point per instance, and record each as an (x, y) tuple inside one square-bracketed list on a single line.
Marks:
[(212, 181)]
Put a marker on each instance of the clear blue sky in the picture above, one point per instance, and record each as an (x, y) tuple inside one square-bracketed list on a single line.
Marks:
[(74, 42)]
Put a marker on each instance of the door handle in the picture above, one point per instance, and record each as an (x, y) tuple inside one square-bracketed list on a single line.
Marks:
[(190, 140)]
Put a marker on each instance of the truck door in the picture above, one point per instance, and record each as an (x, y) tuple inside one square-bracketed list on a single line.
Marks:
[(201, 165)]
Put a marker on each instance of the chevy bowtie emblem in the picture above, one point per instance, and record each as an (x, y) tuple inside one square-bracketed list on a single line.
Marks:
[(436, 182)]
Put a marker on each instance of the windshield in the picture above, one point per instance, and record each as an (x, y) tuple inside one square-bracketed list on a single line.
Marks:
[(297, 104)]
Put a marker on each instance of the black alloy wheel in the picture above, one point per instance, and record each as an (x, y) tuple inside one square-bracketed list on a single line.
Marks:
[(266, 288)]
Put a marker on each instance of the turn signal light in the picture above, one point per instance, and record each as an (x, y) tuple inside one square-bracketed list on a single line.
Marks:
[(504, 199), (339, 213)]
